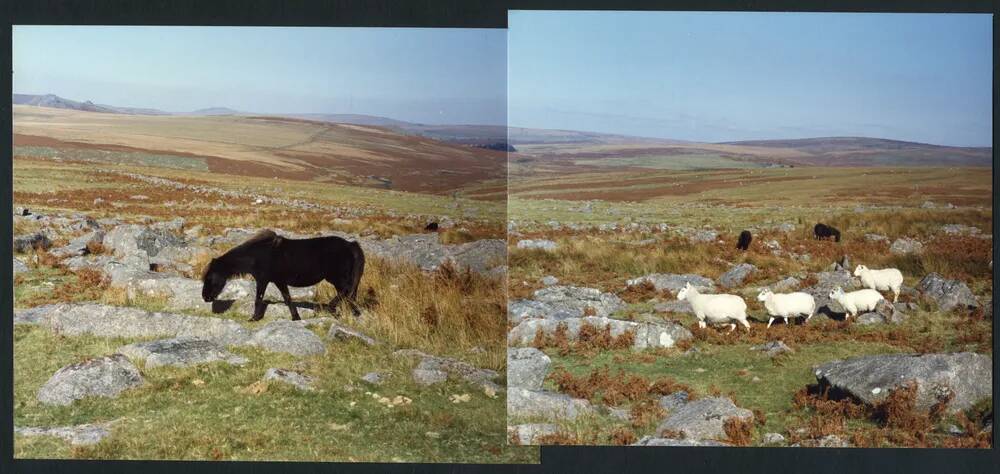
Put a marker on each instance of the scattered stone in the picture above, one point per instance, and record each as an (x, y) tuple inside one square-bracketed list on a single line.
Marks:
[(906, 246), (736, 275), (427, 376), (673, 282), (876, 238), (947, 294), (80, 435), (549, 280), (27, 243), (375, 378), (575, 301), (33, 316), (960, 229), (645, 335), (870, 378), (674, 306), (80, 246), (772, 245), (773, 348), (704, 418), (541, 244), (20, 267), (651, 441), (773, 438), (429, 365), (180, 352), (288, 337), (527, 434), (295, 379), (785, 285), (525, 403), (343, 333), (527, 367), (703, 235), (674, 400), (113, 321), (106, 376)]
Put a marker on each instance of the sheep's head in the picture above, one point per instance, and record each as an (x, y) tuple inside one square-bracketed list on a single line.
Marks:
[(681, 295), (837, 293), (765, 293), (860, 269)]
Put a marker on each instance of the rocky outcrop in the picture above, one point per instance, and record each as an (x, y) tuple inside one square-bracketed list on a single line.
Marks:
[(180, 352), (967, 375), (646, 335), (673, 282), (106, 376), (703, 419), (947, 294), (290, 337), (527, 367)]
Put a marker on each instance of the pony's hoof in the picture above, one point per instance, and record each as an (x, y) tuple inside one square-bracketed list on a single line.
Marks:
[(252, 319)]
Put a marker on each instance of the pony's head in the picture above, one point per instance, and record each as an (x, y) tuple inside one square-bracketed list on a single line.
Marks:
[(213, 281)]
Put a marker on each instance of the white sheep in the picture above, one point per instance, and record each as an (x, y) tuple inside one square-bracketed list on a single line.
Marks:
[(886, 279), (787, 305), (715, 308), (855, 301)]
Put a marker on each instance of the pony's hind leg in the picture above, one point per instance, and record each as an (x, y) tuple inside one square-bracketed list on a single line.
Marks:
[(259, 306)]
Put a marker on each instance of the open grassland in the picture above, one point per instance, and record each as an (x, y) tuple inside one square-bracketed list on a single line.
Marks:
[(221, 412), (259, 146), (569, 209)]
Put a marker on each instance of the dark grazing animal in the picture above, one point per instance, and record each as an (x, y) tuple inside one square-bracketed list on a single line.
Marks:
[(433, 226), (745, 239), (823, 231), (271, 258)]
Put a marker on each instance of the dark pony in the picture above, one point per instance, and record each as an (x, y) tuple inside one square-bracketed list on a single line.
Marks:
[(433, 226), (823, 231), (270, 258), (745, 239)]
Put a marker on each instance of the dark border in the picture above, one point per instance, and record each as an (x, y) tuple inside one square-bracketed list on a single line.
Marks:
[(466, 14)]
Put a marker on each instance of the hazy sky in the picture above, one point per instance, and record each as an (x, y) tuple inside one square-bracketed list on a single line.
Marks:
[(421, 75), (738, 76)]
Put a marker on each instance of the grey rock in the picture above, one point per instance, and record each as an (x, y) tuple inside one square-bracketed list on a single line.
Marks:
[(33, 316), (704, 418), (424, 376), (876, 238), (674, 306), (785, 285), (80, 245), (773, 348), (736, 275), (288, 337), (541, 244), (870, 378), (575, 300), (827, 281), (80, 435), (527, 434), (450, 367), (673, 282), (340, 332), (703, 235), (906, 246), (113, 321), (947, 294), (674, 400), (651, 441), (290, 377), (35, 241), (773, 438), (427, 252), (375, 378), (525, 403), (959, 229), (94, 262), (520, 309), (180, 352), (549, 280), (646, 335), (20, 267), (106, 376), (527, 367), (772, 245)]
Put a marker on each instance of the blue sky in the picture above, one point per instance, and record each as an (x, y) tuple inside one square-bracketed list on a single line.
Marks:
[(422, 75), (739, 76)]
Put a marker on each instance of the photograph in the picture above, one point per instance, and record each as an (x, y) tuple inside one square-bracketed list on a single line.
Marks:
[(260, 244), (752, 229)]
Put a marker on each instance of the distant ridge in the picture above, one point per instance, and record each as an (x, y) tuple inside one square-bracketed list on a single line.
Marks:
[(54, 101), (214, 111)]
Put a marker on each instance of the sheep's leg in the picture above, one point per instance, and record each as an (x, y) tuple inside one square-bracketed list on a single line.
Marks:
[(769, 321), (732, 327), (701, 324), (785, 319), (745, 324), (895, 295)]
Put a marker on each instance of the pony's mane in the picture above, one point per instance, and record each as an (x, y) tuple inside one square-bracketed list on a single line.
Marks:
[(265, 235)]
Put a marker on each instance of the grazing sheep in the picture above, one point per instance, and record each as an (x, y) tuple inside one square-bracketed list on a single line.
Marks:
[(886, 279), (787, 305), (822, 231), (715, 308), (856, 301), (744, 242)]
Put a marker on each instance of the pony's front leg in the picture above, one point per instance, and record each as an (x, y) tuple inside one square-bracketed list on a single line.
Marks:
[(258, 304), (288, 300)]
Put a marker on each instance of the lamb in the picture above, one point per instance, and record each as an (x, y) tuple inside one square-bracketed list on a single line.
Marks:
[(885, 279), (715, 308), (787, 305), (855, 301)]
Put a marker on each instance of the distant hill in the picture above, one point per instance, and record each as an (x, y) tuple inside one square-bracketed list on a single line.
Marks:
[(865, 151), (56, 102), (215, 111)]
